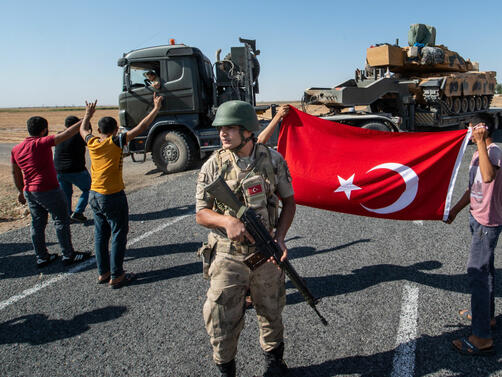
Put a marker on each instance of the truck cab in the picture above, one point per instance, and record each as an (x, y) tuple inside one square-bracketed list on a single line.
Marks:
[(184, 76)]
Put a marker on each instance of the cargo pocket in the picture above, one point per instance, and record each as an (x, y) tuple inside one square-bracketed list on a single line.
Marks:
[(224, 311)]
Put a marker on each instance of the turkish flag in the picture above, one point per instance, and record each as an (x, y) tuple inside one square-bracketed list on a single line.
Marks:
[(403, 176)]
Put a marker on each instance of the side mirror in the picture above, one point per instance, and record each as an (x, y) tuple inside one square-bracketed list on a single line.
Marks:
[(122, 62), (127, 82)]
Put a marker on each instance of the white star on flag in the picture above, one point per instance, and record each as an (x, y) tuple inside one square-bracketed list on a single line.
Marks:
[(347, 186)]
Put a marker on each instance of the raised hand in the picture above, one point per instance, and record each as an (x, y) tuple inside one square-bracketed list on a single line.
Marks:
[(157, 100), (90, 108), (479, 133), (283, 111)]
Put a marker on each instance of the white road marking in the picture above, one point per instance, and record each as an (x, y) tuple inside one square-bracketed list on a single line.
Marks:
[(403, 364), (418, 222), (81, 266)]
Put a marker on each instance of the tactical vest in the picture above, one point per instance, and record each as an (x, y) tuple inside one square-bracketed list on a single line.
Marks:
[(254, 186)]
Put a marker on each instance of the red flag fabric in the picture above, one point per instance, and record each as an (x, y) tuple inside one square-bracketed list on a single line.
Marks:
[(403, 176)]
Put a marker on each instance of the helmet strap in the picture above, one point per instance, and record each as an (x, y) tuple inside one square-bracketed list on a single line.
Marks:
[(244, 141)]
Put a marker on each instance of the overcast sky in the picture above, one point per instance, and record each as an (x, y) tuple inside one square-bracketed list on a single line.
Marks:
[(58, 53)]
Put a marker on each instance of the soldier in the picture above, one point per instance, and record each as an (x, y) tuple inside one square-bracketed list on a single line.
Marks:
[(257, 174)]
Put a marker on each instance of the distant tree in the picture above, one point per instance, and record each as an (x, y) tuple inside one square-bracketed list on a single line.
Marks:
[(498, 89)]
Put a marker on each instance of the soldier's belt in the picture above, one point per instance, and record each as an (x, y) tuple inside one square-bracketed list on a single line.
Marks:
[(233, 248)]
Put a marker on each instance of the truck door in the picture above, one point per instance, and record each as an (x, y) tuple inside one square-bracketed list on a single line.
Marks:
[(182, 86)]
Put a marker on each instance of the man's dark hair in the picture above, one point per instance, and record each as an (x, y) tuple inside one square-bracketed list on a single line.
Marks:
[(487, 119), (70, 120), (107, 125), (36, 125)]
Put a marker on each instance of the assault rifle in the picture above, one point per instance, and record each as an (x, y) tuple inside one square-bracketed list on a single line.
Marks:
[(265, 245)]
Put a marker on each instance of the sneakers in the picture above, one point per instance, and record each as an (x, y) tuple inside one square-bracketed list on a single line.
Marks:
[(78, 217), (42, 262), (77, 257)]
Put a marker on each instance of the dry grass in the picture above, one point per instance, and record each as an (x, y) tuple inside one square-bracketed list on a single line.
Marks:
[(13, 121)]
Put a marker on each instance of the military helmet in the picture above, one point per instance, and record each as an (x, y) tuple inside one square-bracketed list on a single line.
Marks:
[(236, 113)]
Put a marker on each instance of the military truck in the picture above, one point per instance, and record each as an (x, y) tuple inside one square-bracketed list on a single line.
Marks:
[(193, 89), (422, 86)]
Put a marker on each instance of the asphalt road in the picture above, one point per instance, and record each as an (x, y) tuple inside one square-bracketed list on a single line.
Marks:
[(390, 291)]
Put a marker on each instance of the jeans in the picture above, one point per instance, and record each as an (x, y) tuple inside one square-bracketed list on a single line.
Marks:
[(82, 180), (40, 205), (111, 218), (481, 273)]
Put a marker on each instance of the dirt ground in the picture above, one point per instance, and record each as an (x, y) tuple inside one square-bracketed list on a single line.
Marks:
[(13, 130)]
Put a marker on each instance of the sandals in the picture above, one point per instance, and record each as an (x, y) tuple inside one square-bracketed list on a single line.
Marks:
[(126, 279), (467, 348), (466, 315)]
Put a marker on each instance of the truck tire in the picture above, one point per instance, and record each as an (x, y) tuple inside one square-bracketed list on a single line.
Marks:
[(173, 151), (376, 126)]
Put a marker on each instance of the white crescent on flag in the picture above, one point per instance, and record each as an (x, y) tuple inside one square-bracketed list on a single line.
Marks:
[(407, 197)]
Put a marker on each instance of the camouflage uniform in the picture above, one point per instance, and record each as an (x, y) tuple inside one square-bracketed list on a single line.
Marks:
[(257, 177)]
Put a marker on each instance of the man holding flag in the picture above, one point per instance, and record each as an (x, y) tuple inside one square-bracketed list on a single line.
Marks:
[(484, 195), (405, 176)]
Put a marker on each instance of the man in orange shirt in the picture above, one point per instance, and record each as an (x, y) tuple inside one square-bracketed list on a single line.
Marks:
[(107, 197)]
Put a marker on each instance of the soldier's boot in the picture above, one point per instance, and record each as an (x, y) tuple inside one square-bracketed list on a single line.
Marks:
[(274, 362), (227, 369)]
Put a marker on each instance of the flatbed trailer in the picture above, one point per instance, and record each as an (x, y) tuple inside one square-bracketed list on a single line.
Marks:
[(390, 106)]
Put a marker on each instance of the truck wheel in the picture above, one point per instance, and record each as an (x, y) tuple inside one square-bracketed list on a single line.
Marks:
[(173, 151), (376, 126)]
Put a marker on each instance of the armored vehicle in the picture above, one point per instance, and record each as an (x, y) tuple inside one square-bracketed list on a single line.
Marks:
[(424, 84), (193, 88)]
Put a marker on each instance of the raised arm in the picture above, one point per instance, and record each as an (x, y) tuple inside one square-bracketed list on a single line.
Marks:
[(66, 134), (479, 136), (85, 128), (269, 130), (143, 125)]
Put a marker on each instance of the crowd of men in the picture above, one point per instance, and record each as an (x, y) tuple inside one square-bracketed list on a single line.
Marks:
[(260, 178)]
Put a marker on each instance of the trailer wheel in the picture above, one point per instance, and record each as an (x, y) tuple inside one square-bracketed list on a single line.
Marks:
[(457, 105), (485, 102), (173, 151), (378, 126), (472, 103), (465, 104), (479, 103)]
